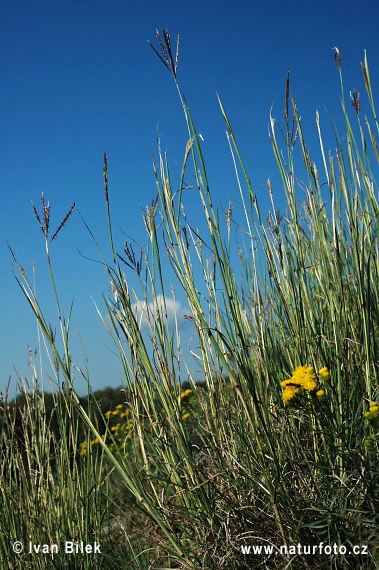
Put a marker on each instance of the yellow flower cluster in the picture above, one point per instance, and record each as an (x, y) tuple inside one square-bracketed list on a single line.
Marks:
[(83, 445), (372, 415), (119, 411), (324, 373), (303, 378), (121, 425), (184, 396), (121, 430)]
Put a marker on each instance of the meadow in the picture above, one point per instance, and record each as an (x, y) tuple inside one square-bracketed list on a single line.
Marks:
[(278, 445)]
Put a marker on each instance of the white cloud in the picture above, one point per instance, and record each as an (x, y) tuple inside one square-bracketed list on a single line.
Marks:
[(145, 311)]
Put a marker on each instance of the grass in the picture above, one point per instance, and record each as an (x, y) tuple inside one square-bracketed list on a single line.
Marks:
[(279, 445)]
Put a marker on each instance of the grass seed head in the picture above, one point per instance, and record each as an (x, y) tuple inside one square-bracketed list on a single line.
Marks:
[(354, 98), (337, 58)]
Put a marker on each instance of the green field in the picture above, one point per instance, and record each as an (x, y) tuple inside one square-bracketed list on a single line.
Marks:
[(277, 447)]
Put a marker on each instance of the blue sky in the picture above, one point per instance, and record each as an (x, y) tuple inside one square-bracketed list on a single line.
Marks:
[(79, 78)]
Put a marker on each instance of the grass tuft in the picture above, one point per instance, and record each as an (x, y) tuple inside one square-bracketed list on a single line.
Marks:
[(278, 445)]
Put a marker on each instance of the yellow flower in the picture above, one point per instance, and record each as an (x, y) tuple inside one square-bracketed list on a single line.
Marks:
[(119, 407), (185, 394), (304, 376), (373, 414), (309, 384), (289, 393), (320, 394), (185, 416), (324, 373)]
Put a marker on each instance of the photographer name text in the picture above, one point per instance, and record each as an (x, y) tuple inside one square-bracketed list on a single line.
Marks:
[(68, 546)]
